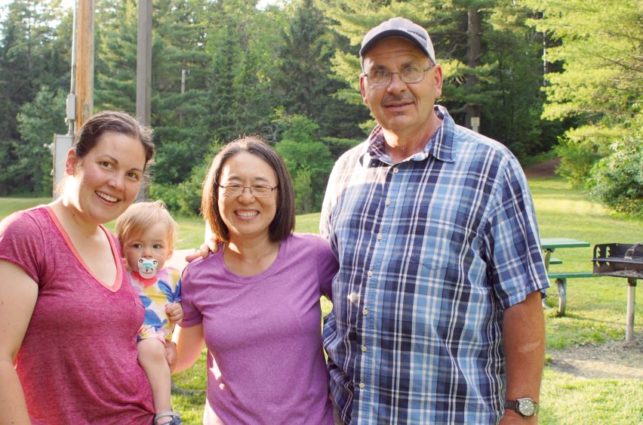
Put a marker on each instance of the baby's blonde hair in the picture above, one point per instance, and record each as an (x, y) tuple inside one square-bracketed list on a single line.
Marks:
[(142, 215)]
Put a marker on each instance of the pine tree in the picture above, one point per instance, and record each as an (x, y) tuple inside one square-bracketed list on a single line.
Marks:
[(180, 113), (305, 82), (115, 57), (33, 54)]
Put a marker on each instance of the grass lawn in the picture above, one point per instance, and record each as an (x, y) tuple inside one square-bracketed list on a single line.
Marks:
[(595, 309)]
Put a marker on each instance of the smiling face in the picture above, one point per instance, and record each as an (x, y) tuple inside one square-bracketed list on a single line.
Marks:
[(245, 215), (107, 179), (400, 108)]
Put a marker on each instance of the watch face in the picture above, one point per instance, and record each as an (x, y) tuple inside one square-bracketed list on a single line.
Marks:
[(526, 407)]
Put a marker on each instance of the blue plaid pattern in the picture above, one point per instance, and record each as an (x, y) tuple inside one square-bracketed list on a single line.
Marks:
[(431, 251)]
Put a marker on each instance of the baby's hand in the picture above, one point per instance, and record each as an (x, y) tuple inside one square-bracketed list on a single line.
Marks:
[(174, 312)]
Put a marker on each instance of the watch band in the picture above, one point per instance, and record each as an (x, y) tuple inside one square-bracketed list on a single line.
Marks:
[(525, 406)]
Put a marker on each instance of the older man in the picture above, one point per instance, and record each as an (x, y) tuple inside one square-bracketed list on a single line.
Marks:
[(437, 316)]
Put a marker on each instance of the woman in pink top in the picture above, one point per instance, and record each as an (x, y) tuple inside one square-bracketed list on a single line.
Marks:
[(68, 315), (255, 302)]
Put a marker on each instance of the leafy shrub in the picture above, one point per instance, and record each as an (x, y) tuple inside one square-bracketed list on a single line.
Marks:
[(617, 180), (167, 193), (185, 198), (576, 161)]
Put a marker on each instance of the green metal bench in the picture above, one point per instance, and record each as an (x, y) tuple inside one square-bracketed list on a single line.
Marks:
[(561, 283)]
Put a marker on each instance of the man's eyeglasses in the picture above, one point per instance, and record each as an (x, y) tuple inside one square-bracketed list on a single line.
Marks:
[(410, 75), (256, 190)]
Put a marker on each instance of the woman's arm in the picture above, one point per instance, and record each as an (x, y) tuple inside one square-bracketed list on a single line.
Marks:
[(18, 294), (189, 342)]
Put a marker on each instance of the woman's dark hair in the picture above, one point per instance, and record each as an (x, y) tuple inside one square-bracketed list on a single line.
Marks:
[(284, 222), (115, 122)]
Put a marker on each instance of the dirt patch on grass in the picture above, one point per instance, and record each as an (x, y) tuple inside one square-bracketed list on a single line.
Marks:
[(612, 360), (543, 169)]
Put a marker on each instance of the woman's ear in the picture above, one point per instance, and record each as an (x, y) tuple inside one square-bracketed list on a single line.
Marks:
[(71, 162)]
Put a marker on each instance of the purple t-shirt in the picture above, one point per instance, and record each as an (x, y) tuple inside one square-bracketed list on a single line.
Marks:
[(265, 358), (78, 360)]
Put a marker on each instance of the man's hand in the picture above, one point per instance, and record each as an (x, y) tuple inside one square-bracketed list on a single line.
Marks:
[(174, 312)]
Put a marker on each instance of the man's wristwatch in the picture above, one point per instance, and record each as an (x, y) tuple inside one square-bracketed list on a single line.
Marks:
[(524, 406)]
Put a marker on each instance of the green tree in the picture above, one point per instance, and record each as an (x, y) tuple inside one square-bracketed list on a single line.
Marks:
[(600, 86), (617, 179), (516, 53), (305, 83), (115, 62), (34, 53), (38, 121), (181, 67), (30, 57), (309, 161), (239, 94)]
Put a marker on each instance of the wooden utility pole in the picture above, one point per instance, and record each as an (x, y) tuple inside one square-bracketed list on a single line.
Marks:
[(84, 61), (144, 71), (80, 100), (144, 62), (474, 50)]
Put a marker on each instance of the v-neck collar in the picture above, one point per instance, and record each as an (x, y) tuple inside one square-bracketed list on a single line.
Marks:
[(114, 286)]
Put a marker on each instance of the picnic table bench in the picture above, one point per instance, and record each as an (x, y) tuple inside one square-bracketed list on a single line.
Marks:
[(549, 245)]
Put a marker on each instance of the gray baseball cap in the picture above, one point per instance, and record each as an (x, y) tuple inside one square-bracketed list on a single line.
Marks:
[(398, 27)]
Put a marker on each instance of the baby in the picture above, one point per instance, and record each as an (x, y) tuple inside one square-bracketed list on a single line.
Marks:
[(146, 233)]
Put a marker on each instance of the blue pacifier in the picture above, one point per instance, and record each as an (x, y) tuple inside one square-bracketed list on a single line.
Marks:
[(147, 267)]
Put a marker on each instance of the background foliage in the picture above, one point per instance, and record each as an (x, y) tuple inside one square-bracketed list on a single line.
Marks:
[(540, 74)]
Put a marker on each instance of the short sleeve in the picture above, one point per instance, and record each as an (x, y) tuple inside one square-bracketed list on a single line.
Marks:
[(191, 314), (327, 266), (22, 243), (513, 241)]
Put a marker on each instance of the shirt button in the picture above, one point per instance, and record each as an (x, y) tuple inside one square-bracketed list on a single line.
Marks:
[(365, 311), (353, 297), (369, 274), (362, 385), (379, 237), (388, 202), (396, 170), (364, 349)]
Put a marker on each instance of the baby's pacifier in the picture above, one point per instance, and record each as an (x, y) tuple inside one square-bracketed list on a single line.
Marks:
[(147, 267)]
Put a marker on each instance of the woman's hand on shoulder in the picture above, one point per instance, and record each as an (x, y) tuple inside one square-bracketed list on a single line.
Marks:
[(211, 244), (202, 252)]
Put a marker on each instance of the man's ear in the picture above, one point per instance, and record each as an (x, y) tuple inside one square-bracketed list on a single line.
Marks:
[(437, 78), (71, 161), (362, 88)]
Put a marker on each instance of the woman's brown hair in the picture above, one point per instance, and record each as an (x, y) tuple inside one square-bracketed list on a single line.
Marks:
[(115, 122)]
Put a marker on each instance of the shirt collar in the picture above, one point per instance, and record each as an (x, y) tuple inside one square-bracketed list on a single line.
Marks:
[(440, 145)]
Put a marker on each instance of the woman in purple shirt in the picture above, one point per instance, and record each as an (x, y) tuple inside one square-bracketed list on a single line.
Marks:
[(255, 302)]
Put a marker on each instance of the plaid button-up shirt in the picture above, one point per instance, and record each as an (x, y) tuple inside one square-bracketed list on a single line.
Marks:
[(431, 251)]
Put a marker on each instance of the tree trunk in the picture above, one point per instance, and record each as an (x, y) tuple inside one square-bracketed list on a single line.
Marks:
[(474, 48)]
